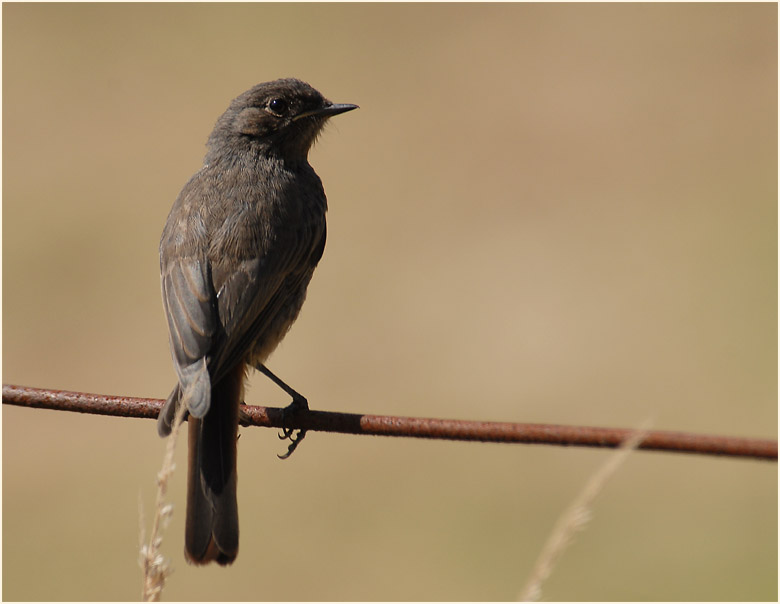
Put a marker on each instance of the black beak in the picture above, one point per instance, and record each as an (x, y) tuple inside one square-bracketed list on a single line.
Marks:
[(327, 110)]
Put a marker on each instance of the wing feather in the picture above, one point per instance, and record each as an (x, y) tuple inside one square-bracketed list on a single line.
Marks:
[(192, 324)]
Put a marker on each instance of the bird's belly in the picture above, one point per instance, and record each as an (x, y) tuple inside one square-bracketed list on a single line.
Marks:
[(275, 326)]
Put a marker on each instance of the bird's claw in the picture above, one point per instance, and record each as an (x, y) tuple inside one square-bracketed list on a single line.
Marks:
[(299, 403), (295, 440)]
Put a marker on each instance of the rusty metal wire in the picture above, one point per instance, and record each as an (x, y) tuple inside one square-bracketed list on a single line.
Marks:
[(352, 423)]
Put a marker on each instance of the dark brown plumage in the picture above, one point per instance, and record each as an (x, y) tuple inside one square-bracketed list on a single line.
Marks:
[(237, 253)]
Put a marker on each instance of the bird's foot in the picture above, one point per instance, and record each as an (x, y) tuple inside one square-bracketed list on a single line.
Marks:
[(299, 403)]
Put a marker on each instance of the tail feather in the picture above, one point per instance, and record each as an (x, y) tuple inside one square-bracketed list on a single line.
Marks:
[(212, 511)]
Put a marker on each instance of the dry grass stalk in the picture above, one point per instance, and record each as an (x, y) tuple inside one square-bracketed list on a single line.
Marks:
[(575, 518), (156, 567)]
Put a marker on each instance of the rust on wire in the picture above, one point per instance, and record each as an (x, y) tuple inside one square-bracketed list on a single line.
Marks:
[(382, 425), (99, 404)]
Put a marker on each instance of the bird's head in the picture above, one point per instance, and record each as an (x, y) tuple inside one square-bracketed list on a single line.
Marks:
[(282, 118)]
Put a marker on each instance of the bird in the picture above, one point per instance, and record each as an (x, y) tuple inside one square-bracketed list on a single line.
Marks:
[(237, 252)]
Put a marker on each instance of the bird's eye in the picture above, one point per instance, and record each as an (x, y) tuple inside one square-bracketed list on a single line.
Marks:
[(278, 106)]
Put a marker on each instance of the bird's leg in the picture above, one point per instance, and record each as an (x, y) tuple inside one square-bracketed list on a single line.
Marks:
[(299, 403), (298, 400)]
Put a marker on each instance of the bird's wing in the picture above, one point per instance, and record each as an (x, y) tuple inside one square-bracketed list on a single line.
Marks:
[(192, 325), (252, 298), (218, 310)]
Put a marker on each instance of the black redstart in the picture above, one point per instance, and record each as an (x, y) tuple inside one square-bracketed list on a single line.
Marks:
[(236, 255)]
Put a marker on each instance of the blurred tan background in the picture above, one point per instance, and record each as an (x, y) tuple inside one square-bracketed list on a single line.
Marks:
[(541, 213)]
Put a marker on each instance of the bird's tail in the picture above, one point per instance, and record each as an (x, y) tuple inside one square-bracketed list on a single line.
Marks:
[(212, 511)]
